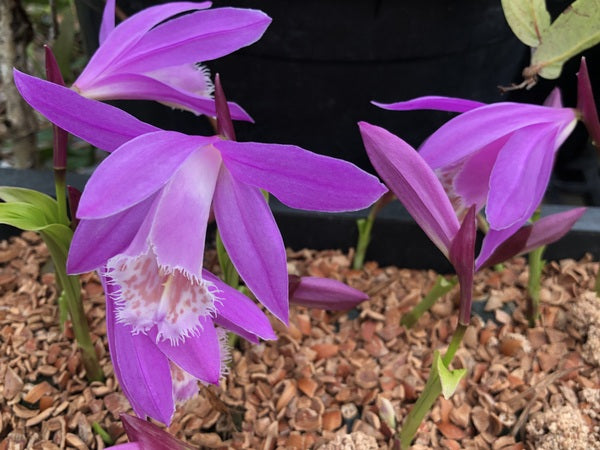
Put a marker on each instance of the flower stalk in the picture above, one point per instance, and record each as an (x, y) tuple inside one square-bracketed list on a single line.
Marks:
[(365, 226), (536, 265), (441, 287), (431, 391)]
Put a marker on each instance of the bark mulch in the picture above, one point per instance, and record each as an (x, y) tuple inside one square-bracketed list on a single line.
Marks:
[(328, 373)]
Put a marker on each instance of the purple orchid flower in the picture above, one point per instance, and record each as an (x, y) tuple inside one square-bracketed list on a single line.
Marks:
[(153, 56), (500, 155), (156, 374), (154, 182), (416, 185)]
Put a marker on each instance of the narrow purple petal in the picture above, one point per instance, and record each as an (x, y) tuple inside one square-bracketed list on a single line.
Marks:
[(127, 34), (141, 369), (150, 436), (586, 104), (253, 242), (198, 355), (131, 86), (324, 293), (238, 313), (108, 20), (467, 183), (135, 171), (493, 240), (545, 231), (462, 257), (520, 175), (200, 36), (179, 226), (554, 99), (96, 241), (450, 104), (101, 125), (299, 178), (473, 130), (413, 182)]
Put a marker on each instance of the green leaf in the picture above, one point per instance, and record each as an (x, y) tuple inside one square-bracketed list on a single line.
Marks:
[(23, 216), (528, 19), (46, 204), (449, 379), (575, 30)]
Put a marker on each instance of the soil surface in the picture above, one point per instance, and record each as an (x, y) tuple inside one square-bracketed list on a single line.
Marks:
[(329, 373)]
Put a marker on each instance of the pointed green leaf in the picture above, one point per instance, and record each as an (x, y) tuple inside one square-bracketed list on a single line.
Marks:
[(46, 204), (449, 379), (528, 19), (23, 216), (575, 30)]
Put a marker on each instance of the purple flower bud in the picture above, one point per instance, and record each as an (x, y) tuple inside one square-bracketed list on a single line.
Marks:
[(324, 293)]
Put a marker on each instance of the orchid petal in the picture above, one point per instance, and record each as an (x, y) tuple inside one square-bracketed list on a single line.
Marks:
[(450, 104), (198, 355), (299, 178), (96, 241), (101, 125), (413, 182), (472, 130), (183, 40), (520, 175), (135, 171), (554, 99), (125, 36), (143, 370), (324, 293), (108, 20), (467, 182), (586, 104), (131, 86), (462, 256), (149, 435), (184, 206), (492, 241), (253, 242), (545, 231), (238, 313)]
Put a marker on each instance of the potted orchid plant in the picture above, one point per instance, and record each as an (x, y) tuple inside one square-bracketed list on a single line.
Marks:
[(141, 221)]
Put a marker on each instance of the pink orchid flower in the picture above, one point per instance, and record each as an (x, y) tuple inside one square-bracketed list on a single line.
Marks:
[(153, 56), (418, 188)]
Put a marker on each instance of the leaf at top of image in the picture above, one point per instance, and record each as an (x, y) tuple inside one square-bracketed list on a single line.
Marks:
[(575, 30), (528, 19)]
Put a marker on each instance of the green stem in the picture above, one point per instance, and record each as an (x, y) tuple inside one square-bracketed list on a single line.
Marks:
[(431, 392), (102, 433), (364, 238), (440, 288), (79, 323), (60, 188), (536, 265)]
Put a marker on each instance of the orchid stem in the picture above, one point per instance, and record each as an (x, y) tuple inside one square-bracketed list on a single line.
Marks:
[(364, 230), (536, 265), (431, 392), (72, 296), (439, 289)]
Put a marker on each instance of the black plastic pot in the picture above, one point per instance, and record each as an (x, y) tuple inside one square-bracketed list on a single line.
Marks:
[(396, 238)]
